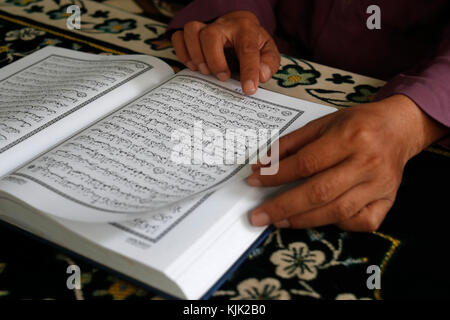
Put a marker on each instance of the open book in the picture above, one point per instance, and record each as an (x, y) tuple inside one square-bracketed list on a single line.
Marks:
[(86, 162)]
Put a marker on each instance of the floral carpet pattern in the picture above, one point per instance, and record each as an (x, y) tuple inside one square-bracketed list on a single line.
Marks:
[(322, 263)]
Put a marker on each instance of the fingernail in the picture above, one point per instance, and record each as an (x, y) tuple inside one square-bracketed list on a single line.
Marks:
[(259, 219), (203, 68), (282, 224), (254, 181), (265, 72), (222, 76), (191, 65), (249, 87)]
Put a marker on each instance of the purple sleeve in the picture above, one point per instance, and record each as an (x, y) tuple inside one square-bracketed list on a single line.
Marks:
[(206, 10), (428, 85)]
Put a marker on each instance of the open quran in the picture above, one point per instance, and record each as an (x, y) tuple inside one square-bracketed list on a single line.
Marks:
[(87, 145)]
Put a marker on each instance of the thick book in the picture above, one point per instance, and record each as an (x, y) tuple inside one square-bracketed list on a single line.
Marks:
[(118, 159)]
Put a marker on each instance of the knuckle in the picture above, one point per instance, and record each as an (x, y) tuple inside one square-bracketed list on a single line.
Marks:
[(320, 193), (208, 33), (193, 26), (278, 210), (249, 70), (220, 20), (388, 183), (273, 59), (307, 164), (245, 24), (344, 210), (362, 136), (248, 46)]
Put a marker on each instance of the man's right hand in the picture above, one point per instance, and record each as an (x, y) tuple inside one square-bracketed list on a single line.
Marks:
[(201, 46)]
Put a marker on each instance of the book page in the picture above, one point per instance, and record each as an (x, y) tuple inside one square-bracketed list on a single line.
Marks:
[(174, 239), (170, 242), (54, 92), (123, 165)]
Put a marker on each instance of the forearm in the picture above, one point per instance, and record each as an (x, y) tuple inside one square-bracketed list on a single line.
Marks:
[(428, 86)]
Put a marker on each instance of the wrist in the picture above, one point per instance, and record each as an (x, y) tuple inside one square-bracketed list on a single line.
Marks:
[(422, 130)]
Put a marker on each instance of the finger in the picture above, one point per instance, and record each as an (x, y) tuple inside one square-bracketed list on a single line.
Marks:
[(323, 153), (249, 60), (192, 41), (181, 50), (342, 208), (319, 191), (292, 142), (369, 218), (270, 60), (212, 41)]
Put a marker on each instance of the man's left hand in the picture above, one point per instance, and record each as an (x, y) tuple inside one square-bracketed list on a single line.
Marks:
[(352, 161)]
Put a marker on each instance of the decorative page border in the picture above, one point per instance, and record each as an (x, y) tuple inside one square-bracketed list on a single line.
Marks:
[(233, 173)]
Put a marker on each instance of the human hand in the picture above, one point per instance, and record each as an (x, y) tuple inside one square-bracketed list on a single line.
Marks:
[(201, 46), (353, 159)]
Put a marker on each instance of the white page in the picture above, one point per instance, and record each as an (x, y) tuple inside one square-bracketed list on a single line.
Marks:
[(113, 171), (171, 237), (54, 92), (174, 240)]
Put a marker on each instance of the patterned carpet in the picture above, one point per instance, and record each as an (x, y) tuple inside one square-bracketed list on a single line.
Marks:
[(324, 263)]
